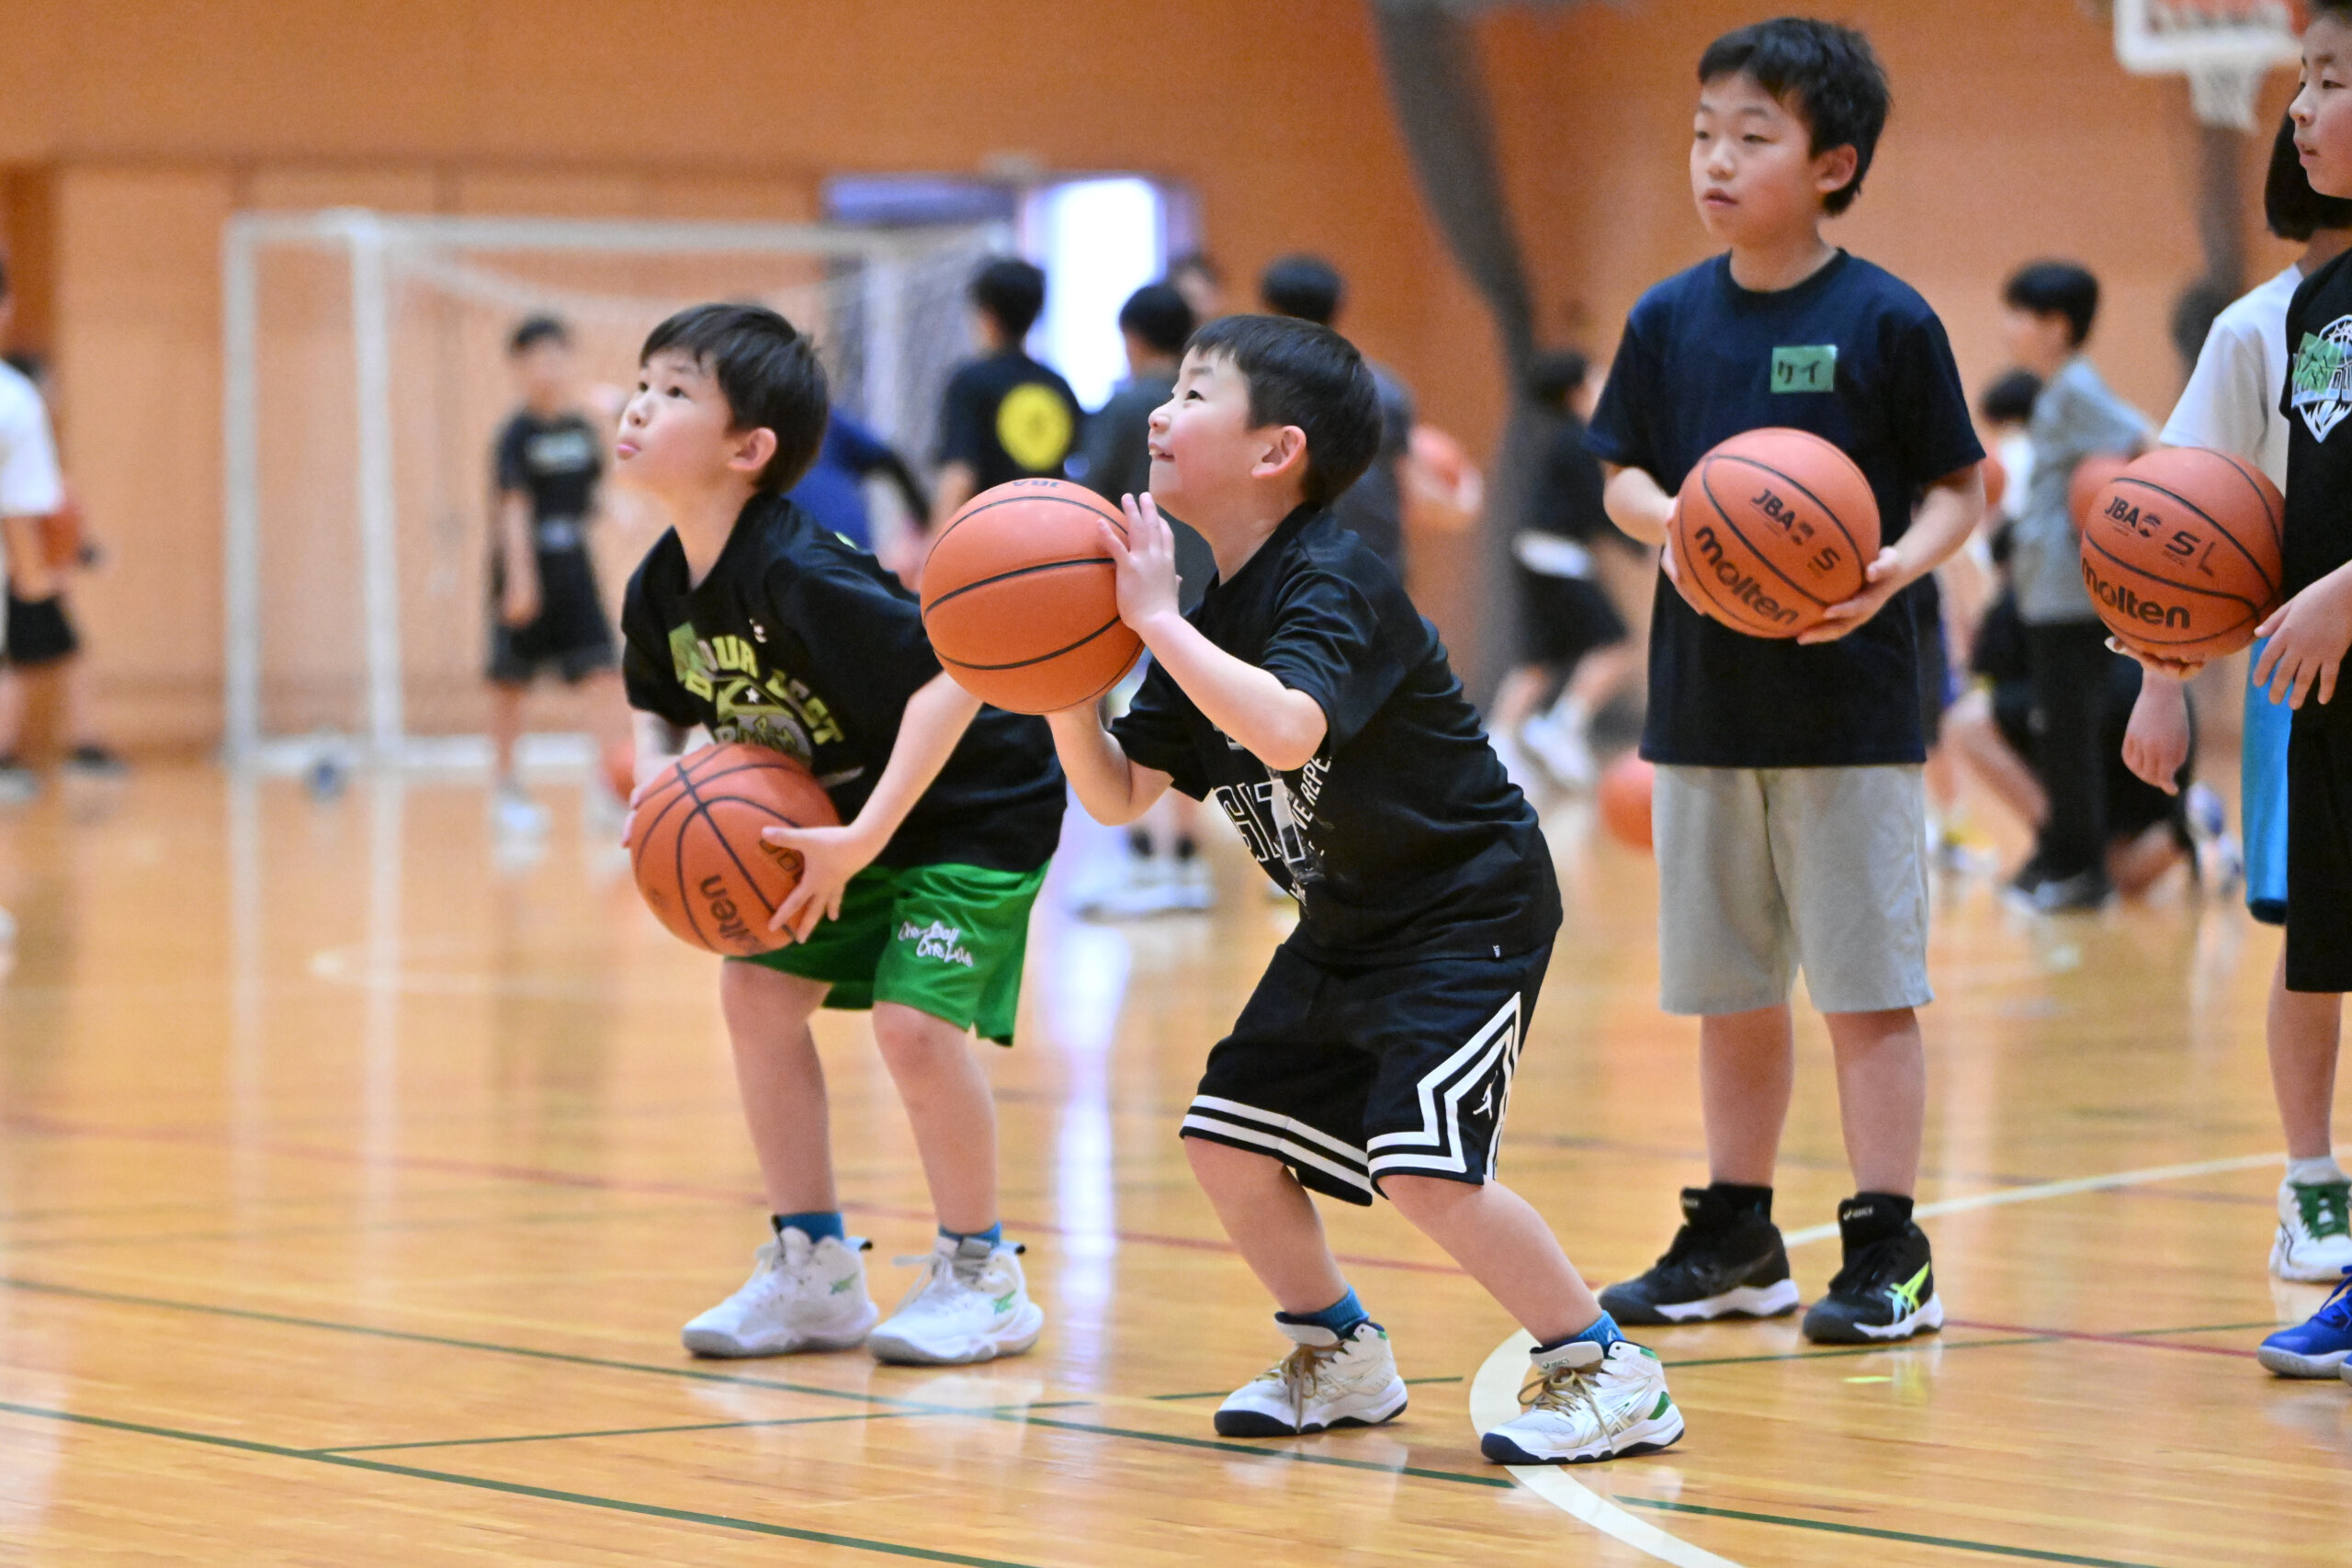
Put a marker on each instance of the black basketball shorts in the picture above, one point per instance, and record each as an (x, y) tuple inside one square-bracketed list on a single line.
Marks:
[(2319, 848), (572, 633), (39, 632), (1561, 620), (1351, 1076)]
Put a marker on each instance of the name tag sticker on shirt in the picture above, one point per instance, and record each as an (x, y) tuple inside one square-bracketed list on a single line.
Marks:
[(1808, 368)]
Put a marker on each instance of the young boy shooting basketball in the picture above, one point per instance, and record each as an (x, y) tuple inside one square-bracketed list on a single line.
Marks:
[(752, 622), (1307, 695), (1789, 809)]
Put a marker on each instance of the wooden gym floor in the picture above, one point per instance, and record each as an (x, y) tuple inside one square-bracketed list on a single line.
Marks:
[(353, 1186)]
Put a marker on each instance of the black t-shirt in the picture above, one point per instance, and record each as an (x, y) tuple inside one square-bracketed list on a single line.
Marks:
[(1566, 499), (1851, 354), (799, 641), (556, 462), (1402, 837), (1008, 418), (2317, 396)]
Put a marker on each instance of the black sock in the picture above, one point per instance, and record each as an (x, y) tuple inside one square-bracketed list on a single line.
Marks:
[(1728, 1200), (1869, 1217)]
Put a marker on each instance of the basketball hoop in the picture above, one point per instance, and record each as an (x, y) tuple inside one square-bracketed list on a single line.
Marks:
[(2224, 47)]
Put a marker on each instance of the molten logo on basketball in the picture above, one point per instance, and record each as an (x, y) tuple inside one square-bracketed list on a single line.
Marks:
[(1743, 586), (721, 907), (2119, 598)]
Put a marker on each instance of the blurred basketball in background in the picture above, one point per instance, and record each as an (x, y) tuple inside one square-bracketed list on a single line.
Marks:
[(2090, 477), (1624, 797), (2181, 553), (620, 768), (1997, 482), (1020, 597), (1771, 528)]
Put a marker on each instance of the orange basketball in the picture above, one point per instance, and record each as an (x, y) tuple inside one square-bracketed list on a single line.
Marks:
[(1771, 528), (1996, 481), (1018, 597), (2090, 477), (1624, 797), (2181, 553), (694, 843)]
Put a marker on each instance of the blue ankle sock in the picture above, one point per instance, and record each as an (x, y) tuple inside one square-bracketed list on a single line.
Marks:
[(1605, 1333), (993, 1235), (1339, 1317), (816, 1224)]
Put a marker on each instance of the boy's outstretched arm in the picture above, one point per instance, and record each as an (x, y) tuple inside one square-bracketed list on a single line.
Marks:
[(1281, 727), (2308, 634), (934, 720), (1948, 513), (1113, 787)]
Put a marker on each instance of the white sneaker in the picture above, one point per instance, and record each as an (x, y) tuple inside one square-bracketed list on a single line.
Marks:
[(799, 1297), (1584, 1405), (517, 814), (2315, 1242), (1560, 749), (1326, 1381), (971, 1305)]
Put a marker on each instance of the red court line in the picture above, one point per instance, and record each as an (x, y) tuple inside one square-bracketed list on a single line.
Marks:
[(538, 1175), (2145, 1342)]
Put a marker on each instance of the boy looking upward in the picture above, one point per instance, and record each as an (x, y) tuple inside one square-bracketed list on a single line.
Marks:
[(750, 621), (1789, 809), (1307, 696)]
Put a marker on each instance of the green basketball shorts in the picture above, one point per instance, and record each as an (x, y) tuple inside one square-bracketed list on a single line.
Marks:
[(945, 939)]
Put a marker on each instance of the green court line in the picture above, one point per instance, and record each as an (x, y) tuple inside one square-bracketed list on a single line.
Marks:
[(2200, 1328), (1951, 1543), (1910, 1348), (516, 1489), (692, 1426), (1259, 1450), (1221, 1392)]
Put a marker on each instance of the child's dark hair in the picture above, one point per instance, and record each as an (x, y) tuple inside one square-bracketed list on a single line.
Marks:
[(2289, 205), (768, 372), (1307, 287), (532, 330), (2008, 398), (1305, 374), (1832, 74), (2056, 289), (1012, 293), (1158, 314), (1554, 377)]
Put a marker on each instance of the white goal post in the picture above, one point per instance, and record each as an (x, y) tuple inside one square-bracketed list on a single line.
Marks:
[(365, 379)]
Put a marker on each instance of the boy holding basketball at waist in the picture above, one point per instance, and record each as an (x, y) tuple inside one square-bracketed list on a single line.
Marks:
[(1789, 810), (1308, 697), (753, 623)]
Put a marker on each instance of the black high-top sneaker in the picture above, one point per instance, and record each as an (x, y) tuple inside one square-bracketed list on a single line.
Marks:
[(1726, 1262), (1887, 1289)]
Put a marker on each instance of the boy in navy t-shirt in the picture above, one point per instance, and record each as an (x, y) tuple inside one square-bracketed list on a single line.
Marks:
[(1789, 809)]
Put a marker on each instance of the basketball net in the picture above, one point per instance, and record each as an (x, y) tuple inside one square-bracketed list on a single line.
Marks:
[(2226, 48)]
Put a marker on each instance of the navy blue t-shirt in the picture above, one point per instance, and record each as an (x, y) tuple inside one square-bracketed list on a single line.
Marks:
[(1855, 356)]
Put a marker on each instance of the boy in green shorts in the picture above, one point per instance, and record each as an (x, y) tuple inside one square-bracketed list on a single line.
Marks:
[(751, 622)]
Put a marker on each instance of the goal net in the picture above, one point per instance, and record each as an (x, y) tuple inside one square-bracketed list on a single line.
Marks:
[(367, 380)]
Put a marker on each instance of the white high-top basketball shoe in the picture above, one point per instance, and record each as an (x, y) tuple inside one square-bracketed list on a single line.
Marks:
[(801, 1296)]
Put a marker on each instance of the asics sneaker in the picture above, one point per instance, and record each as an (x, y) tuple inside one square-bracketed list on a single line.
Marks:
[(801, 1296), (2318, 1347), (971, 1305), (1886, 1290), (2315, 1242), (1725, 1262), (1324, 1381), (1582, 1404)]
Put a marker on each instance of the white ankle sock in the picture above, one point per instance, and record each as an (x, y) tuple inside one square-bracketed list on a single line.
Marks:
[(2314, 1171)]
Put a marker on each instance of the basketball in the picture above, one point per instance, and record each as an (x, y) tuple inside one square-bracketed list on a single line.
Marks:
[(2181, 553), (1771, 528), (694, 844), (1018, 597), (2090, 477), (1624, 797)]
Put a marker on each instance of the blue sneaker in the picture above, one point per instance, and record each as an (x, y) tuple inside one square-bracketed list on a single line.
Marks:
[(2318, 1349)]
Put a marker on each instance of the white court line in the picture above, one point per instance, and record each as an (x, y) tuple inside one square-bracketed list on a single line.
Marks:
[(1494, 1399), (1494, 1393)]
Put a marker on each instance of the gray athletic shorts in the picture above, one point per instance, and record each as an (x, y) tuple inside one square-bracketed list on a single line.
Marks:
[(1766, 871)]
